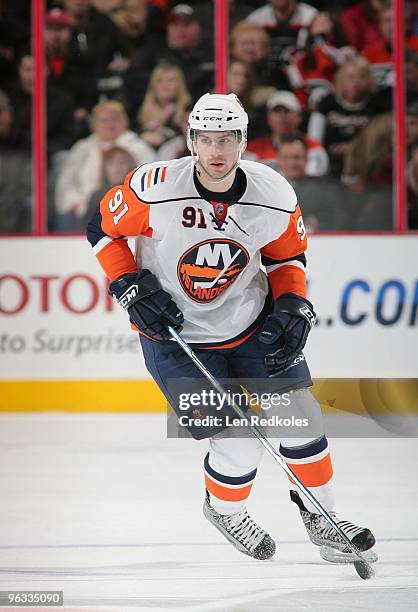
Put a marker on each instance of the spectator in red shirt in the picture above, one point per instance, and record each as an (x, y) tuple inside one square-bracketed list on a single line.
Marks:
[(284, 116), (311, 72), (360, 23), (57, 38)]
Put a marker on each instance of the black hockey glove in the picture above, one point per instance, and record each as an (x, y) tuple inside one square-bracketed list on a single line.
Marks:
[(289, 324), (150, 308)]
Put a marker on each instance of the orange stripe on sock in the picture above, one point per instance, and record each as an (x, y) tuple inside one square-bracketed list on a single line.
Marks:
[(313, 474), (225, 493), (163, 174)]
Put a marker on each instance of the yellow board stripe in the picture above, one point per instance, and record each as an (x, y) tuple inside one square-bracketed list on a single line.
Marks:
[(360, 396), (81, 396)]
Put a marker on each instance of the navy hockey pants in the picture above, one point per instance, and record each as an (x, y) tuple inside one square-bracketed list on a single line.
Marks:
[(166, 361)]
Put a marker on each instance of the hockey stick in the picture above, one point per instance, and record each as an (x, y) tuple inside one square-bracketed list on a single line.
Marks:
[(362, 566), (213, 283)]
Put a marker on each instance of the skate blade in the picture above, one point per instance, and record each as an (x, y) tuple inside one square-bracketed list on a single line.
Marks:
[(332, 555)]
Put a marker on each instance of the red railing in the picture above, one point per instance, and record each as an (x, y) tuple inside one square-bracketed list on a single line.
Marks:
[(221, 45), (399, 145), (39, 119)]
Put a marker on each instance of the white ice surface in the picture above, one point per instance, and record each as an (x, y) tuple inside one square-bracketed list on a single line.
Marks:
[(108, 510)]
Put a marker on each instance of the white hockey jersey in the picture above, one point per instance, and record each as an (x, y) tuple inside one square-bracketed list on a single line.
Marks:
[(207, 255)]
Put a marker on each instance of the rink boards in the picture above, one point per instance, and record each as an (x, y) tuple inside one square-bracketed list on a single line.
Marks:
[(65, 346)]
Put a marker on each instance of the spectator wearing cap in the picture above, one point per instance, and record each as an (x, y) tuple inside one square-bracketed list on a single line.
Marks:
[(379, 53), (287, 22), (341, 115), (58, 35), (184, 46), (66, 71), (284, 116), (322, 199)]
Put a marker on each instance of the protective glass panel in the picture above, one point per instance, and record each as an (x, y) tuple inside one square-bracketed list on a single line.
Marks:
[(303, 73)]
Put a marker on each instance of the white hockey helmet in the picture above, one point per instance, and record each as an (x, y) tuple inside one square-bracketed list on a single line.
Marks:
[(218, 113)]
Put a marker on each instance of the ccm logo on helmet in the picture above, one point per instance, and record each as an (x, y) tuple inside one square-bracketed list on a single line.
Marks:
[(207, 269), (212, 118)]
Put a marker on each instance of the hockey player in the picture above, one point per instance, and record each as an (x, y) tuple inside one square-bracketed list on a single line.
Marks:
[(204, 224)]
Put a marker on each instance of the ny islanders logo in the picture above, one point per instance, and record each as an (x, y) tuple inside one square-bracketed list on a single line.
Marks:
[(210, 267)]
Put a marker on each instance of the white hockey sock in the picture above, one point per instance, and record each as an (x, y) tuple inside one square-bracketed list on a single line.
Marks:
[(230, 470)]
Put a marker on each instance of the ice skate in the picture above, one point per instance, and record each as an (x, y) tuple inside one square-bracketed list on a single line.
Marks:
[(242, 531), (333, 547)]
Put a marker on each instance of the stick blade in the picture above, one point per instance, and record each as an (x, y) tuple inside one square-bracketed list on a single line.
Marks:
[(364, 570), (333, 555)]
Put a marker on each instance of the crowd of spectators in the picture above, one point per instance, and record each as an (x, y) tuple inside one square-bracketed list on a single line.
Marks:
[(121, 76)]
